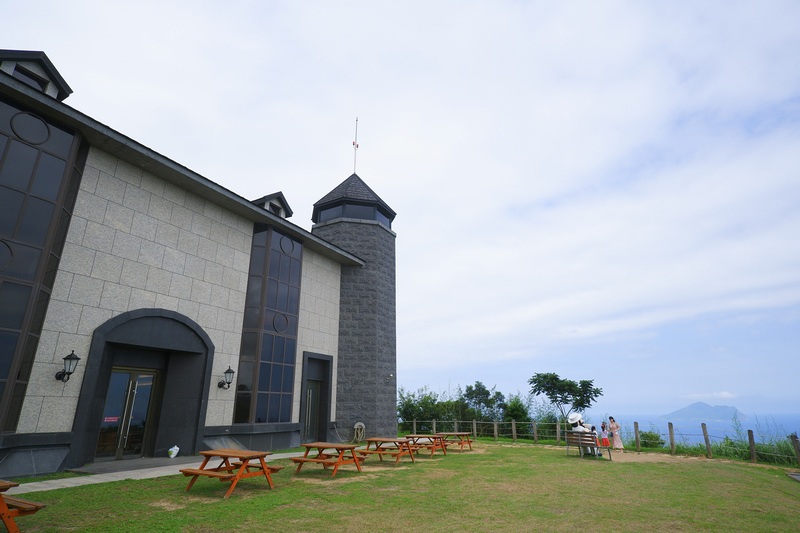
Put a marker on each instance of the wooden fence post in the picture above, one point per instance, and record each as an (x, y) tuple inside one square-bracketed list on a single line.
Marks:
[(536, 435), (558, 433), (434, 427), (708, 442), (474, 429), (514, 430), (455, 426), (414, 427), (636, 436), (752, 440), (671, 439), (796, 445), (495, 430)]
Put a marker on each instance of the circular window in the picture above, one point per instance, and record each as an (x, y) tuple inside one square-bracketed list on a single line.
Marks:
[(287, 245), (280, 322), (30, 128)]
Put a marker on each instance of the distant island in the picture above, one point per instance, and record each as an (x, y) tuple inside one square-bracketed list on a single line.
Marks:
[(704, 412)]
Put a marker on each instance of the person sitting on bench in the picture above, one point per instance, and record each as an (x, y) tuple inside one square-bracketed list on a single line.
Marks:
[(576, 424)]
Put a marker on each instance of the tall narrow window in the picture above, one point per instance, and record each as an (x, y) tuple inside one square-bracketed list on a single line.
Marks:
[(269, 337), (35, 163)]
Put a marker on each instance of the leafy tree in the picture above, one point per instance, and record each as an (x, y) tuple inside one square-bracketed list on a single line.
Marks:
[(516, 410), (565, 394), (486, 404), (420, 405)]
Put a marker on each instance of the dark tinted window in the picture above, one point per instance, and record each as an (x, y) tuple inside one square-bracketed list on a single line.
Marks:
[(18, 166), (359, 211), (331, 213), (245, 378), (34, 158), (266, 348), (10, 209), (13, 304), (8, 343), (47, 181), (29, 78), (30, 128), (24, 263), (35, 221), (264, 376), (275, 312)]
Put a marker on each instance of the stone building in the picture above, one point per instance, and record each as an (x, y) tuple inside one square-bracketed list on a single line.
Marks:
[(163, 285)]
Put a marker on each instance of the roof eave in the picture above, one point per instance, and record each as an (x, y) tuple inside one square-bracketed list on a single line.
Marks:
[(119, 145)]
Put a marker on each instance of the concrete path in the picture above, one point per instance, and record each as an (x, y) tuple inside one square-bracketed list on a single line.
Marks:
[(105, 471)]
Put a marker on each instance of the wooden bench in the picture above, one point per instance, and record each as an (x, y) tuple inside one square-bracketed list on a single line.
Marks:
[(223, 475), (257, 466), (583, 440), (17, 507), (393, 447), (247, 464), (457, 439), (326, 460), (344, 454)]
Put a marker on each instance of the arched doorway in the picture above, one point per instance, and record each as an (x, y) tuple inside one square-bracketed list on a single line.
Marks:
[(145, 389)]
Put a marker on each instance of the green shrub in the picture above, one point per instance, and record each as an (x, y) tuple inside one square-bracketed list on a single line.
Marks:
[(651, 439)]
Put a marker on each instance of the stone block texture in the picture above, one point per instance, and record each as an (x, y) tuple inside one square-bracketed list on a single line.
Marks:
[(367, 360), (318, 328), (137, 241)]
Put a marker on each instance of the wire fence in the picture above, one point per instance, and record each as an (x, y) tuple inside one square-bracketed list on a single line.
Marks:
[(690, 440)]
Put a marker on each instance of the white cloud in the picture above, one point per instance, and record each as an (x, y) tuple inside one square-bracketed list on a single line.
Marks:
[(711, 396), (567, 177)]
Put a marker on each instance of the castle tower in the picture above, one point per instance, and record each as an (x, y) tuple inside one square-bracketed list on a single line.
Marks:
[(355, 219)]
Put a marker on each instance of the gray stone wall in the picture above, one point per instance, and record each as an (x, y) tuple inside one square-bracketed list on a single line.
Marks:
[(318, 327), (366, 389), (135, 241)]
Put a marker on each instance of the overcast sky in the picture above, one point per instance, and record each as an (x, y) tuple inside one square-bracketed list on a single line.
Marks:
[(605, 190)]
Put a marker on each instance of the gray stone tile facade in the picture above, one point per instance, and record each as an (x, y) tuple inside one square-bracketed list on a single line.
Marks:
[(137, 241)]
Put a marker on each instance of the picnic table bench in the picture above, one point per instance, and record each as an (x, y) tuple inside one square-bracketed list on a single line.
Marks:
[(431, 442), (11, 506), (456, 438), (393, 447), (583, 440), (335, 460), (232, 471)]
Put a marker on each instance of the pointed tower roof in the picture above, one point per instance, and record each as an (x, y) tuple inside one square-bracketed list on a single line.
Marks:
[(352, 191)]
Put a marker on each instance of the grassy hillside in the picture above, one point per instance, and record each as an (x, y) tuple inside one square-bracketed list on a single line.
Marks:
[(495, 487)]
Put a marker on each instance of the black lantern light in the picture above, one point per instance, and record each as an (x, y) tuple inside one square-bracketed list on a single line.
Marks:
[(70, 364), (226, 382)]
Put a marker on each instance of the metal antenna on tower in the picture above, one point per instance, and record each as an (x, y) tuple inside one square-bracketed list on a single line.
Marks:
[(355, 147)]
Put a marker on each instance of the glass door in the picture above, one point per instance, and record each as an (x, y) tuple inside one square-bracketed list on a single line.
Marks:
[(126, 413)]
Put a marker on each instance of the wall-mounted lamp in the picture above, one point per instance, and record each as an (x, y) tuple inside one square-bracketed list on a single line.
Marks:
[(389, 378), (70, 364), (228, 379)]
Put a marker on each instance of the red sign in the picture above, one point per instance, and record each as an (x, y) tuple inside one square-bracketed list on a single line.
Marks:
[(111, 419)]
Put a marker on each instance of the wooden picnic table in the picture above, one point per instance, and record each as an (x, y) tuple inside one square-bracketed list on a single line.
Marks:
[(457, 438), (240, 468), (326, 459), (394, 447), (432, 442), (11, 506)]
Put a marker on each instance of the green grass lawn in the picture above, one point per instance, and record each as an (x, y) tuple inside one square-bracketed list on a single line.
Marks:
[(494, 488)]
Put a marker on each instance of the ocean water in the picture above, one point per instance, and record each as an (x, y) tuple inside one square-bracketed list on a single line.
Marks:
[(765, 428)]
